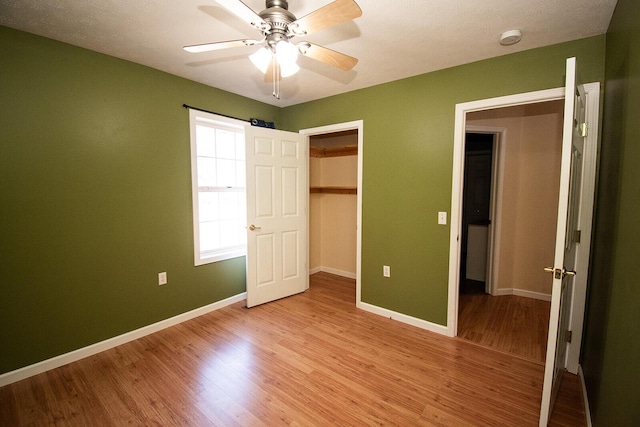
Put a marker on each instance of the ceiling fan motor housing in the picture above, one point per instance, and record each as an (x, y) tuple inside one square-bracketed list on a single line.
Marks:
[(277, 3), (278, 17)]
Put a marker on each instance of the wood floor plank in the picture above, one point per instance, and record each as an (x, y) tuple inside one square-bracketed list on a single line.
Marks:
[(508, 323), (311, 359)]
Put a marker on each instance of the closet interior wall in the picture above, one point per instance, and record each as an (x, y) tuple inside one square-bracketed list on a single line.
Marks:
[(333, 170)]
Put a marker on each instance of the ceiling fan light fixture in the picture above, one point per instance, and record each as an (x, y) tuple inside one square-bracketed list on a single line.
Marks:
[(278, 56), (261, 59), (287, 56), (289, 69)]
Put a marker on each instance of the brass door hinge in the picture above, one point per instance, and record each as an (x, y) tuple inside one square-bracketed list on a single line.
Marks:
[(568, 337), (577, 235), (584, 130)]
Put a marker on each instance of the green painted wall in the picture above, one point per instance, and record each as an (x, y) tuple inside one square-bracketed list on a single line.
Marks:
[(611, 350), (408, 154), (95, 198), (95, 186)]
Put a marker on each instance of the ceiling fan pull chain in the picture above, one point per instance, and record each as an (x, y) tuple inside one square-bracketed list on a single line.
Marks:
[(276, 78)]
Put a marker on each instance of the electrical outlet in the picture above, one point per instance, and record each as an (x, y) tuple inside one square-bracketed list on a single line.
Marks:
[(162, 278), (386, 271)]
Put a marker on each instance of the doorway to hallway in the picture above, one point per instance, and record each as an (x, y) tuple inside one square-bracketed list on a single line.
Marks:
[(511, 175)]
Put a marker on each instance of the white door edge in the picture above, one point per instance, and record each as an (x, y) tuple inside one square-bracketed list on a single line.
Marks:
[(585, 224), (338, 127), (555, 344)]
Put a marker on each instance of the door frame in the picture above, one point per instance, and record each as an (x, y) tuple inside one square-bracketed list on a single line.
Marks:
[(339, 127), (586, 209), (458, 180)]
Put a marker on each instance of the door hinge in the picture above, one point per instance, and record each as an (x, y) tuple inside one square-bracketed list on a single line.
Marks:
[(584, 131), (568, 336), (577, 235)]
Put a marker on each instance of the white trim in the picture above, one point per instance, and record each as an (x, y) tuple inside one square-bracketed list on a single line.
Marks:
[(341, 273), (523, 293), (81, 353), (359, 126), (410, 320), (315, 270), (585, 398), (457, 182)]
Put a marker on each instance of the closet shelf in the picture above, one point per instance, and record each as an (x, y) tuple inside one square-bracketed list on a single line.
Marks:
[(349, 150), (334, 190)]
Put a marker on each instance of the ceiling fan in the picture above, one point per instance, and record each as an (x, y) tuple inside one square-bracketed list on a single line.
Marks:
[(277, 58)]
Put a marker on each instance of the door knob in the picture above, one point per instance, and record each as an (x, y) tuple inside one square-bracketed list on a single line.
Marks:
[(559, 274), (253, 227)]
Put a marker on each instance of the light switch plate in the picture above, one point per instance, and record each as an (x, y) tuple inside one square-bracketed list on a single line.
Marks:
[(162, 278), (442, 218)]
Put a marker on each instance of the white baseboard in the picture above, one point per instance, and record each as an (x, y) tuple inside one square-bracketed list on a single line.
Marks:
[(522, 293), (81, 353), (330, 270), (587, 412), (413, 321), (315, 270)]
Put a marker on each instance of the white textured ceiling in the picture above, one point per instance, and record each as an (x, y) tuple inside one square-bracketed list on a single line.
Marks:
[(392, 39)]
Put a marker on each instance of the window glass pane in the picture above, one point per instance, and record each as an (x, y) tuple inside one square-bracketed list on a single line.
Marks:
[(206, 172), (226, 173), (225, 144), (229, 233), (209, 207), (209, 236), (242, 210), (241, 174), (205, 141), (240, 149), (229, 208)]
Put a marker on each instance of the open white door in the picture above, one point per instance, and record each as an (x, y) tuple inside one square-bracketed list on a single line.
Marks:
[(276, 215), (564, 260)]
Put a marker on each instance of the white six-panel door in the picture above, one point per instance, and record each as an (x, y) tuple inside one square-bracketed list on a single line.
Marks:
[(277, 191)]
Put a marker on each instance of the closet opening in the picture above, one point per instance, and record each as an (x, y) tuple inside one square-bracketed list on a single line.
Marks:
[(333, 203)]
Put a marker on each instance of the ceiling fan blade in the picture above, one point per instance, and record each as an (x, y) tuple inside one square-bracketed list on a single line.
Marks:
[(207, 47), (328, 56), (334, 13), (244, 12)]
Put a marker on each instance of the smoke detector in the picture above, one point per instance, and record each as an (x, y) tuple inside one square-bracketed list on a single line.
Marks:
[(510, 37)]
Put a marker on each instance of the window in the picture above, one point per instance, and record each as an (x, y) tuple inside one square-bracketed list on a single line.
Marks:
[(218, 181)]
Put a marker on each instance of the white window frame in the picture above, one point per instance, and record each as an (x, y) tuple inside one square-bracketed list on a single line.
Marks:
[(200, 117)]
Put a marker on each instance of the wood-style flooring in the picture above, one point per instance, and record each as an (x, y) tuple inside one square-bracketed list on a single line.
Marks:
[(508, 323), (311, 359)]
